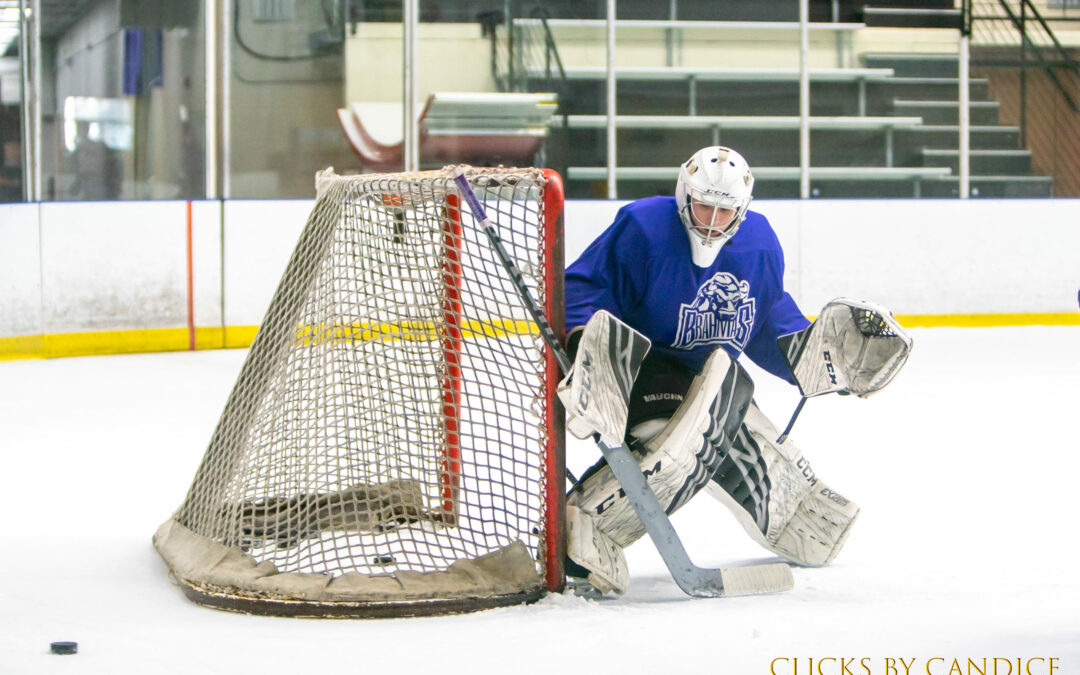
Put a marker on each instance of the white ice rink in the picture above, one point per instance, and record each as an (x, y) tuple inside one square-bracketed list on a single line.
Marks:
[(966, 469)]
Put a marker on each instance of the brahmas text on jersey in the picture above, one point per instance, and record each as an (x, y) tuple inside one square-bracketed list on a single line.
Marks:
[(722, 313), (640, 270)]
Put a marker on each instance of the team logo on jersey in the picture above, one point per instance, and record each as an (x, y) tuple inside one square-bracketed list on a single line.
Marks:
[(722, 313)]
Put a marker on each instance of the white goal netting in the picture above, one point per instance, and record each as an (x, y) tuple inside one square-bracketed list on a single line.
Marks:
[(390, 446)]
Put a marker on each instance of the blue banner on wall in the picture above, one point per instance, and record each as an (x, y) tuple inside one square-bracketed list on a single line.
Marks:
[(142, 59)]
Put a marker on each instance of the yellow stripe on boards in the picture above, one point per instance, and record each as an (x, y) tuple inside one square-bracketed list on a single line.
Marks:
[(107, 342), (410, 330), (241, 337), (988, 320), (22, 347)]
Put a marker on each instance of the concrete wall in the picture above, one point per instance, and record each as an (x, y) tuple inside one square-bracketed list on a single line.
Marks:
[(80, 278)]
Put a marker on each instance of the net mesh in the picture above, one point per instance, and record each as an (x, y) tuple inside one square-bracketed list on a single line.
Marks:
[(393, 414)]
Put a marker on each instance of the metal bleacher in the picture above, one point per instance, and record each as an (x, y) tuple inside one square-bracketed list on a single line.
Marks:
[(694, 76), (927, 86), (664, 110), (717, 125), (881, 124), (879, 127), (913, 174)]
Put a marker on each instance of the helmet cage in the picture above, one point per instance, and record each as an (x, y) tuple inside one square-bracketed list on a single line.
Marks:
[(718, 177), (707, 228)]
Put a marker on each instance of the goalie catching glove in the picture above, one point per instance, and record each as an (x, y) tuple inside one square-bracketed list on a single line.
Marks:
[(852, 348)]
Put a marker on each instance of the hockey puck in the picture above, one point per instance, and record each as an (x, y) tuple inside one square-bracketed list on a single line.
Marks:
[(64, 647), (383, 560)]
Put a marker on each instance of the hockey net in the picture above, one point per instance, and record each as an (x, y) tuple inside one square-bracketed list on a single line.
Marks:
[(391, 446)]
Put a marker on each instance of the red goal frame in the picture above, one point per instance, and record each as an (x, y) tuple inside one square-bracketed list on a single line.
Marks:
[(554, 306)]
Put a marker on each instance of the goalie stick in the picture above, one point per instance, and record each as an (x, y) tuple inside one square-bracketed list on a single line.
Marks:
[(693, 580)]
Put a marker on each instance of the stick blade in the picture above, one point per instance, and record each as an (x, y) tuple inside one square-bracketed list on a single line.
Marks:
[(757, 579)]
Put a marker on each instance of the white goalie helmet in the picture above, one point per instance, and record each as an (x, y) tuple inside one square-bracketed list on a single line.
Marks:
[(712, 194)]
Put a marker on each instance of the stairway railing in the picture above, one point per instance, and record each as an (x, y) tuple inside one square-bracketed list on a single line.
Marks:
[(524, 56), (1037, 80), (1023, 21)]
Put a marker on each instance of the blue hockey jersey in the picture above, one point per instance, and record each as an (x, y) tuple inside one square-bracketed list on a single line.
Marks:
[(640, 270)]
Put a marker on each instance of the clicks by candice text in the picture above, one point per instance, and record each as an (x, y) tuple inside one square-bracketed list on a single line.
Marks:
[(989, 665)]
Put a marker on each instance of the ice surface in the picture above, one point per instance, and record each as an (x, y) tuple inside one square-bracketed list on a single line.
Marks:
[(965, 467)]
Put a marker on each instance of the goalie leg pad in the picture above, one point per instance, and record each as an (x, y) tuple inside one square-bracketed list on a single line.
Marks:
[(596, 391), (679, 461), (591, 548), (777, 498)]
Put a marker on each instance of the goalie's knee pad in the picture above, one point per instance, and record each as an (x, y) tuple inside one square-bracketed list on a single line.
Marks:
[(677, 462), (777, 498)]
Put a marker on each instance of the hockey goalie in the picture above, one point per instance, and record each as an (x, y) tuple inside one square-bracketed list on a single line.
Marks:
[(698, 278)]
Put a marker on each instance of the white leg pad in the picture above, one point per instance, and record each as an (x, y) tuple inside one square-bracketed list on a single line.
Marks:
[(596, 391), (672, 461), (792, 513), (818, 529), (590, 547)]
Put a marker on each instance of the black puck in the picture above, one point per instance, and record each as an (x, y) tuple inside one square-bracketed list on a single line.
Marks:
[(383, 560), (64, 647)]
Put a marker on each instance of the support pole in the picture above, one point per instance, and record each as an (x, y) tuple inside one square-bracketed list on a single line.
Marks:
[(35, 48), (30, 52), (408, 24), (212, 42), (611, 149), (804, 99), (26, 73), (226, 100), (1023, 74), (965, 104)]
